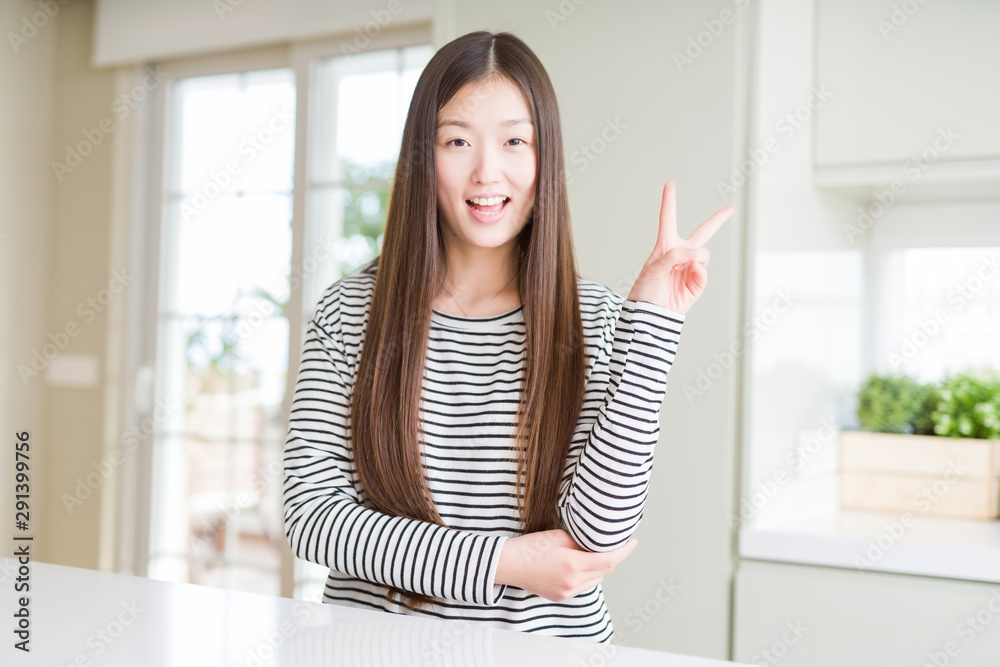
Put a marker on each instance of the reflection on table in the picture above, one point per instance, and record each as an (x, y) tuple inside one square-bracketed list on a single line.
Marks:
[(84, 617)]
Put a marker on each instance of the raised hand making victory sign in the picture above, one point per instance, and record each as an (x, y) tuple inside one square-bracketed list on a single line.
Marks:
[(674, 276)]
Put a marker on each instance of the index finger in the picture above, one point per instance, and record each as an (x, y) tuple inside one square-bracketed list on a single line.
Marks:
[(705, 230), (667, 232), (599, 561)]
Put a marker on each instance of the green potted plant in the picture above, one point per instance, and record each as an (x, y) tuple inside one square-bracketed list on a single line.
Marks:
[(926, 448)]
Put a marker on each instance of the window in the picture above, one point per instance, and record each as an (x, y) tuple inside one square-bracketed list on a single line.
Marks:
[(223, 333), (361, 105), (940, 312), (225, 326)]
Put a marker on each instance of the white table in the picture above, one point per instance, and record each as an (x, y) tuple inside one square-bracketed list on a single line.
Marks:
[(86, 617)]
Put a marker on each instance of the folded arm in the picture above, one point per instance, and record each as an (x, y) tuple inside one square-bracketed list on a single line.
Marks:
[(325, 521), (602, 495)]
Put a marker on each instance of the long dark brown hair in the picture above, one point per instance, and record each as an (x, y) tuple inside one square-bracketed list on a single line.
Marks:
[(410, 273)]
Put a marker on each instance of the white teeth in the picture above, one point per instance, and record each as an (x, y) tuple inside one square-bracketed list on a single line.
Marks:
[(487, 201)]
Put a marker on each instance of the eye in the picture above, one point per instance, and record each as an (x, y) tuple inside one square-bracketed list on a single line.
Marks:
[(516, 139), (454, 140)]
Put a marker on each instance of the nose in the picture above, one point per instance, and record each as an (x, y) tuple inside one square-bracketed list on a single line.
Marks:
[(487, 166)]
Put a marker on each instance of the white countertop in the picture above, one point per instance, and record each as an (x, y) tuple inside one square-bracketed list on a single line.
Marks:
[(804, 524), (86, 617)]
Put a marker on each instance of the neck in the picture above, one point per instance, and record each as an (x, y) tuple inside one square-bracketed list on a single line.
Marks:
[(478, 274)]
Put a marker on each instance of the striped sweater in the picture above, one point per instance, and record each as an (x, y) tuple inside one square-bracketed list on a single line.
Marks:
[(469, 398)]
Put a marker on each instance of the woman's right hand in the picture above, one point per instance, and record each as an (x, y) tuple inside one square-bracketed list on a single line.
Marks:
[(551, 564)]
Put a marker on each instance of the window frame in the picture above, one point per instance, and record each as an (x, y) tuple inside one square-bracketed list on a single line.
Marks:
[(145, 163)]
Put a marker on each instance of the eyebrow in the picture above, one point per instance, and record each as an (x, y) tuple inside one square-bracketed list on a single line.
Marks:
[(462, 123)]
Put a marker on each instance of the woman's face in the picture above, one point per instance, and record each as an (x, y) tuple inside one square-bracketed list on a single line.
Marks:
[(485, 157)]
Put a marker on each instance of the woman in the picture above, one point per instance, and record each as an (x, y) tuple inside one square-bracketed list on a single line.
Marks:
[(472, 430)]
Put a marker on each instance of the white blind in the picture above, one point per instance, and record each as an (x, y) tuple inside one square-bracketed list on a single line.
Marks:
[(137, 31)]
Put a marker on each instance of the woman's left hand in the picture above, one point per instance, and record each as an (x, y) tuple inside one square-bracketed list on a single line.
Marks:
[(674, 276)]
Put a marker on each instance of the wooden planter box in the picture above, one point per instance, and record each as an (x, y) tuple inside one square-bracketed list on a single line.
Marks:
[(922, 474)]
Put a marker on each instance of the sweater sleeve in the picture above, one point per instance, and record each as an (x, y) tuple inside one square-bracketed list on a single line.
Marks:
[(324, 519), (601, 499)]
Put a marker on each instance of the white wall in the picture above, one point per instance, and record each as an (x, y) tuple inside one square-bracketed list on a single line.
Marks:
[(27, 117), (54, 258), (805, 358)]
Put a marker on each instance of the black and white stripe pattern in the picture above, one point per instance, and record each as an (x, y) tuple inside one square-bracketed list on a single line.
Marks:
[(469, 401)]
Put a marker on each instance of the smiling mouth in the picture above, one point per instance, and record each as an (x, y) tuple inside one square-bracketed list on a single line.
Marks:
[(488, 210)]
